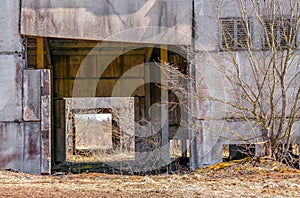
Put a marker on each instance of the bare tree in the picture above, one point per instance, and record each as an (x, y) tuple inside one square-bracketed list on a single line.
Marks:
[(258, 59)]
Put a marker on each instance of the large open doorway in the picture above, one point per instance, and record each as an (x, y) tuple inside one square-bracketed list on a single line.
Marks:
[(111, 104)]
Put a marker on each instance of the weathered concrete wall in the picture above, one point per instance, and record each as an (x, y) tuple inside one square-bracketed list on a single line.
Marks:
[(210, 64), (11, 147), (25, 135), (207, 25), (23, 147), (11, 130), (9, 20), (10, 63), (147, 21)]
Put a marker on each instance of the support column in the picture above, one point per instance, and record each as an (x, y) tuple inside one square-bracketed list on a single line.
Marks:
[(40, 52), (164, 102)]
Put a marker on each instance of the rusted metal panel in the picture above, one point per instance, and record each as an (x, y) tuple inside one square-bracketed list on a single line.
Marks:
[(45, 152), (147, 21), (45, 81), (46, 113), (60, 131), (32, 148), (32, 95), (46, 135), (45, 123), (11, 146)]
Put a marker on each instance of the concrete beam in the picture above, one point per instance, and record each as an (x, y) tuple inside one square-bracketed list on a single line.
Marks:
[(146, 21)]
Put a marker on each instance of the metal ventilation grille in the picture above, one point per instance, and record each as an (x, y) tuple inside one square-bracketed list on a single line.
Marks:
[(279, 33), (242, 35), (235, 34), (227, 34), (286, 32), (270, 34)]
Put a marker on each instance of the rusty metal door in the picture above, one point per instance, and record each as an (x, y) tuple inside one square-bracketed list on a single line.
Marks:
[(37, 121)]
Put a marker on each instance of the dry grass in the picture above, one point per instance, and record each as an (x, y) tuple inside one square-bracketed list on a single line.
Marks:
[(235, 179)]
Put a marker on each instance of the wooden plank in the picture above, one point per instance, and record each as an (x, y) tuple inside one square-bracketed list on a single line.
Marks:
[(58, 43), (32, 95), (105, 87), (73, 64), (31, 61), (48, 54), (131, 61), (32, 148), (147, 80), (136, 109), (59, 66), (164, 53), (83, 52), (130, 87), (60, 132), (64, 88), (114, 70), (40, 52), (149, 53)]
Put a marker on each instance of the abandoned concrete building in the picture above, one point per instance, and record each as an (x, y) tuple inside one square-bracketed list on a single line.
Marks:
[(80, 83)]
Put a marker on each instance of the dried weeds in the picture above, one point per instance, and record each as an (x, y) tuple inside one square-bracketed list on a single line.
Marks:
[(244, 178)]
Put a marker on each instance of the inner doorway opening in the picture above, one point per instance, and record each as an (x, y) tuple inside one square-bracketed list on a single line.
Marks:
[(96, 121)]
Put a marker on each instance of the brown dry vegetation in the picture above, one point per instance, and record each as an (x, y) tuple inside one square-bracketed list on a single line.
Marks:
[(233, 179)]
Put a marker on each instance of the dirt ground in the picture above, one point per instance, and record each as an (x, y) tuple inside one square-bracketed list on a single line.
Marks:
[(233, 179)]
